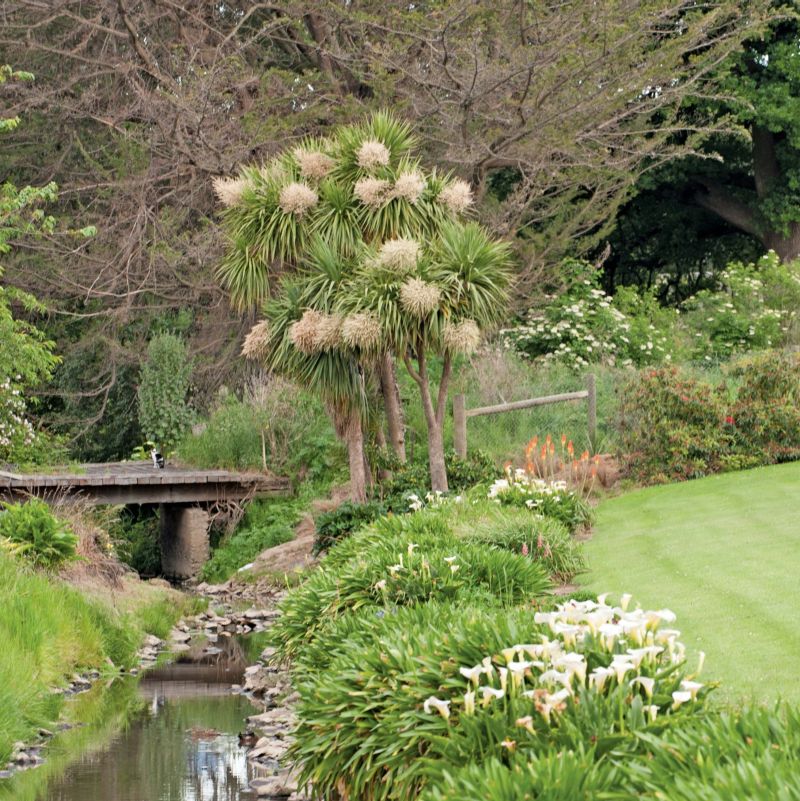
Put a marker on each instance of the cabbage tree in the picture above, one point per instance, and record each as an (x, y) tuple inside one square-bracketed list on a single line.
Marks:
[(358, 191)]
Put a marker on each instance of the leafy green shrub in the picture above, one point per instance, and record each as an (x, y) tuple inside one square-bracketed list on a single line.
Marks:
[(386, 718), (554, 775), (390, 571), (360, 628), (164, 413), (753, 307), (726, 756), (542, 539), (672, 426), (765, 419), (266, 523), (718, 756), (346, 518), (551, 499), (36, 533)]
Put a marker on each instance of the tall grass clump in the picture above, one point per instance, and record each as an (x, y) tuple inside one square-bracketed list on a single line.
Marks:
[(400, 562), (545, 540), (48, 631)]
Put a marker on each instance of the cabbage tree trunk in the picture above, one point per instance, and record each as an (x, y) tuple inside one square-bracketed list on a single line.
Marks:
[(434, 414), (393, 407), (354, 436)]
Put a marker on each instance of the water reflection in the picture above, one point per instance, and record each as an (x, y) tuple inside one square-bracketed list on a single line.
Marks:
[(180, 742)]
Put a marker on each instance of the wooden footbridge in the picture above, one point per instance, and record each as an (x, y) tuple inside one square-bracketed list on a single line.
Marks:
[(184, 496)]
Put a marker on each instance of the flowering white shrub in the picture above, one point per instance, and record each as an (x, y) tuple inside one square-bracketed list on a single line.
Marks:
[(16, 431), (752, 307), (588, 648), (586, 326)]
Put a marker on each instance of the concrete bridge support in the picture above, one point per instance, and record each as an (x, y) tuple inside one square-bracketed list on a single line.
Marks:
[(184, 540)]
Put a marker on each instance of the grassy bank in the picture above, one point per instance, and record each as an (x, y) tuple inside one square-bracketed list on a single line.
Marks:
[(722, 553), (50, 630)]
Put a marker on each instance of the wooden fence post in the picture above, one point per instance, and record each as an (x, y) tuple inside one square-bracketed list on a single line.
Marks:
[(591, 404), (460, 425)]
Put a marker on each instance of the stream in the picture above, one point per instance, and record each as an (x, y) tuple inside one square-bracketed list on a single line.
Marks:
[(171, 734)]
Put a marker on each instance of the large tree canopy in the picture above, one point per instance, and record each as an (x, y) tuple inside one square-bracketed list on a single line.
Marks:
[(549, 109), (737, 194)]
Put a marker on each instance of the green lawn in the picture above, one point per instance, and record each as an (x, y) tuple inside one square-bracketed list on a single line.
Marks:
[(724, 554)]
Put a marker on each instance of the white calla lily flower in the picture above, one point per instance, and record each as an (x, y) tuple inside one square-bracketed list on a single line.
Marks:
[(692, 687), (441, 706), (488, 694), (680, 697), (469, 703), (644, 681), (473, 673), (599, 676)]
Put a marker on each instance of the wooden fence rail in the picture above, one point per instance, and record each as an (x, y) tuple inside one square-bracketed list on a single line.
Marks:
[(461, 414)]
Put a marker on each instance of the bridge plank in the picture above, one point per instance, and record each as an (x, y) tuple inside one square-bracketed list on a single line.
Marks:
[(140, 482)]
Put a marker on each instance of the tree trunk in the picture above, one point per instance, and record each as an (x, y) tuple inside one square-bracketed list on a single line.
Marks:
[(354, 437), (436, 459), (434, 416), (718, 198), (380, 438), (787, 245), (393, 406)]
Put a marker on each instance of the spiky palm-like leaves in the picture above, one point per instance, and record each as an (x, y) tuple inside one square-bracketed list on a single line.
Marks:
[(473, 271)]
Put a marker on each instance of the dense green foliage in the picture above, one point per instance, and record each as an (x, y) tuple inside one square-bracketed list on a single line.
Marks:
[(412, 479), (274, 422), (750, 307), (135, 534), (745, 307), (266, 523), (766, 413), (33, 531), (735, 195), (730, 756), (674, 426), (400, 561), (542, 538), (584, 325), (164, 413), (26, 356), (393, 712)]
